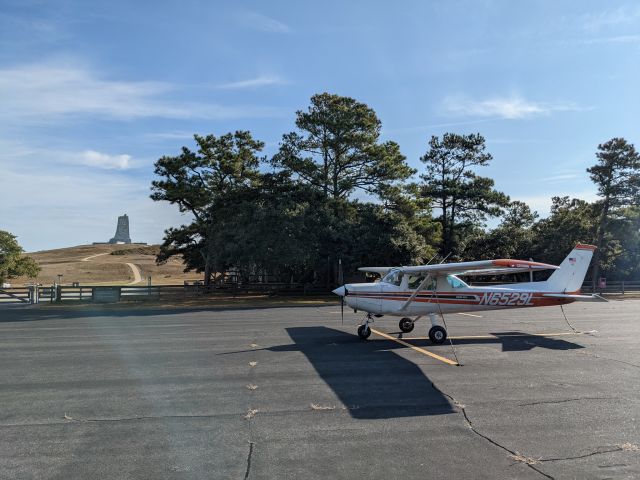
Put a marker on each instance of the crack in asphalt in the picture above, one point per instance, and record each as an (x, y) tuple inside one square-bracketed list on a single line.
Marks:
[(591, 454), (246, 474), (564, 401), (595, 355), (68, 420), (488, 439)]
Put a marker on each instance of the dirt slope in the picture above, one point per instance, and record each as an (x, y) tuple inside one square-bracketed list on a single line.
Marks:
[(95, 265)]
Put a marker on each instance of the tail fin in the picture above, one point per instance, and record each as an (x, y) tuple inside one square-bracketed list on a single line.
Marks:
[(570, 275)]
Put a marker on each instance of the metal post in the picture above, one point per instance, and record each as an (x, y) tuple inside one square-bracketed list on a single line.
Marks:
[(623, 287)]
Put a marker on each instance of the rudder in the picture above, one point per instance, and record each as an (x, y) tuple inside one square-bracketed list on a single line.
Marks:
[(570, 276)]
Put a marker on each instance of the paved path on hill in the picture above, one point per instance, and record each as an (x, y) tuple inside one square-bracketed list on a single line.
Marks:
[(137, 276), (86, 259)]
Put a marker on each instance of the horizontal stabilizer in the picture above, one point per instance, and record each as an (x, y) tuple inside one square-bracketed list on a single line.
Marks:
[(577, 298)]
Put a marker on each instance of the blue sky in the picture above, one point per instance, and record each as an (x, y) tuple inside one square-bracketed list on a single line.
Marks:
[(92, 93)]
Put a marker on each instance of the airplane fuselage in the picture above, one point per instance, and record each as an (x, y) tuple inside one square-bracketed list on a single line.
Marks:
[(386, 299)]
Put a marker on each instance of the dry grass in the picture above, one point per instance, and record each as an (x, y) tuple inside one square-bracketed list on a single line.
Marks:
[(251, 413), (105, 269), (315, 406), (629, 447), (524, 459)]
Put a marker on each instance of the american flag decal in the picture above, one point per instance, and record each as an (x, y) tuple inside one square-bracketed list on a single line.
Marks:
[(572, 260)]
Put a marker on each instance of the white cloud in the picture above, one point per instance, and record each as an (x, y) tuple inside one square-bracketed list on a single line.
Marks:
[(16, 155), (103, 160), (618, 39), (44, 92), (560, 177), (71, 206), (262, 23), (260, 81), (612, 18), (511, 108)]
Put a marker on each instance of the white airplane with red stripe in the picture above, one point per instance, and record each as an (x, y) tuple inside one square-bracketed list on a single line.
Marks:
[(433, 290)]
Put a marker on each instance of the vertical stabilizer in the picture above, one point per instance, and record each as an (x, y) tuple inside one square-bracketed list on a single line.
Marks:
[(569, 277)]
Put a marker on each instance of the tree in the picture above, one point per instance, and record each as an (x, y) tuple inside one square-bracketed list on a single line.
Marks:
[(196, 182), (337, 149), (12, 261), (463, 197), (617, 175), (571, 221), (513, 238)]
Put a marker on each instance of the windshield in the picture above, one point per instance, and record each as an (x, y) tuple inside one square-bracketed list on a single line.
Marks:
[(394, 277), (455, 282)]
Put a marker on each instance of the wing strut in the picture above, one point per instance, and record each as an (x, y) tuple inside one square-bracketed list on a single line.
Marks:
[(414, 294)]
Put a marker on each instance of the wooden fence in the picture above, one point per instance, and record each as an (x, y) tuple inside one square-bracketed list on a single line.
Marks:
[(89, 293)]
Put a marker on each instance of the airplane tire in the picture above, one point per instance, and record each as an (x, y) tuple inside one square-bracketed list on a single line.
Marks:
[(364, 332), (437, 334), (406, 325)]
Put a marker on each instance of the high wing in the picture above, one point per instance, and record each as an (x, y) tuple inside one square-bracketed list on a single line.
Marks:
[(482, 267)]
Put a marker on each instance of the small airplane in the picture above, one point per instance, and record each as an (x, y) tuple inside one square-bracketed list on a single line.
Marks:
[(413, 292)]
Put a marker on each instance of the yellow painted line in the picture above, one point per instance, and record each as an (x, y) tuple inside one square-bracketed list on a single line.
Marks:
[(417, 349), (470, 315)]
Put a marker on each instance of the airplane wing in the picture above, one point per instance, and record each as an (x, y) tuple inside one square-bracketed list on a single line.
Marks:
[(482, 267)]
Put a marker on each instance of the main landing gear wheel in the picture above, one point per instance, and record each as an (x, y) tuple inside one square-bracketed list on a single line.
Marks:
[(406, 325), (437, 334), (364, 332)]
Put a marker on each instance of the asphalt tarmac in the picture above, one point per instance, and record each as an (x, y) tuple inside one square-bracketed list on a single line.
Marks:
[(291, 393)]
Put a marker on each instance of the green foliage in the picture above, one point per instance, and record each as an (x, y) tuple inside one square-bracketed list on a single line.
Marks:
[(617, 176), (294, 216), (513, 238), (198, 182), (12, 261), (571, 221), (463, 198), (337, 151)]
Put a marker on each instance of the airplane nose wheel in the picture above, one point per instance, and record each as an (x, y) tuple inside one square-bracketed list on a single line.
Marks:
[(437, 334), (406, 325), (364, 332)]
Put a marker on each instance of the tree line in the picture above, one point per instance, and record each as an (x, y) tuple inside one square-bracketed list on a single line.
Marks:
[(334, 191)]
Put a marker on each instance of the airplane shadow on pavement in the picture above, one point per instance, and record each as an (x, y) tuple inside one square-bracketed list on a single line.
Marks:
[(374, 382), (511, 342), (369, 379)]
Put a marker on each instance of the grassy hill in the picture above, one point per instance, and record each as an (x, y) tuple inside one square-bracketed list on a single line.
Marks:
[(107, 265)]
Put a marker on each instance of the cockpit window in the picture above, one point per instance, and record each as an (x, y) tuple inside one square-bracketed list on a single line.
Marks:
[(394, 277), (415, 281), (455, 282)]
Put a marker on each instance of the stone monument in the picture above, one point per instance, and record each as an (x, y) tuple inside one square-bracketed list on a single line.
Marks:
[(122, 231)]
